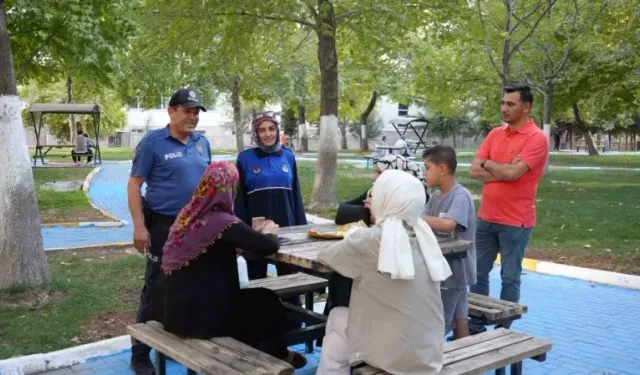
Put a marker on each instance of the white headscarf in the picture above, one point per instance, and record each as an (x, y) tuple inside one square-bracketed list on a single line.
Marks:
[(398, 197)]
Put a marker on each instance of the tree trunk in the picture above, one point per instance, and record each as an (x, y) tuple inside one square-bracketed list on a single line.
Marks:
[(364, 120), (303, 143), (22, 256), (72, 118), (591, 147), (506, 47), (548, 104), (237, 117), (546, 117), (453, 135), (343, 136), (323, 194)]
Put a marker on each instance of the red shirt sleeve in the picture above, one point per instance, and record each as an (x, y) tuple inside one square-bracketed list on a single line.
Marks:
[(535, 150), (485, 146)]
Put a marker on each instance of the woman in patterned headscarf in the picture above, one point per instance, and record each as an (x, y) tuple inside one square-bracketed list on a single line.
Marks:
[(201, 293)]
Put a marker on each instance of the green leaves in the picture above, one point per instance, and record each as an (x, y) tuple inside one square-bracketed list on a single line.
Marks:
[(53, 39)]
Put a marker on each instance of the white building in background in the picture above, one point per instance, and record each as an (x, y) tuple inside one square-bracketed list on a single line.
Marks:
[(215, 124)]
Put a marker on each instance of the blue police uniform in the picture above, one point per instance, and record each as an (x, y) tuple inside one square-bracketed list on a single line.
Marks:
[(269, 187), (171, 169)]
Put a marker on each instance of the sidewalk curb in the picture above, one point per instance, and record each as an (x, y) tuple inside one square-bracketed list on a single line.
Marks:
[(581, 273), (36, 363), (86, 224), (85, 187), (56, 249)]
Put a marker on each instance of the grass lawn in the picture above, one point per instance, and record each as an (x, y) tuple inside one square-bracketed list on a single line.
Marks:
[(68, 206), (614, 161), (108, 154), (619, 161), (93, 295), (586, 218)]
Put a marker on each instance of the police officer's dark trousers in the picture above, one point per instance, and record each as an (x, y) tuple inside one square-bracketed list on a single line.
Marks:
[(158, 226)]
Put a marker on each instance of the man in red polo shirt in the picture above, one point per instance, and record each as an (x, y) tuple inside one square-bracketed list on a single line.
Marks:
[(510, 163)]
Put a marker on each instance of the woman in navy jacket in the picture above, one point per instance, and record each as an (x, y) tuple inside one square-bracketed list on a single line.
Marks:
[(268, 186)]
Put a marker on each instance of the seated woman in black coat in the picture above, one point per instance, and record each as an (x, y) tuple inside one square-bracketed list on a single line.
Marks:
[(201, 292), (357, 209)]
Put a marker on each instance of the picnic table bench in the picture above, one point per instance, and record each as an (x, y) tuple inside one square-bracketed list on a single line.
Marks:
[(578, 147), (490, 350), (494, 310), (48, 148), (295, 285), (219, 355)]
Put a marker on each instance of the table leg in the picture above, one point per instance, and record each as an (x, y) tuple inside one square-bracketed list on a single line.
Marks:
[(161, 363), (516, 368), (308, 304), (45, 154)]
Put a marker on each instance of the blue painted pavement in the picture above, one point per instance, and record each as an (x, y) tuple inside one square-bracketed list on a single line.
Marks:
[(108, 191), (590, 325)]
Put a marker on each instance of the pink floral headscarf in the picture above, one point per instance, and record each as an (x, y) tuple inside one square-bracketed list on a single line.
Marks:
[(203, 219)]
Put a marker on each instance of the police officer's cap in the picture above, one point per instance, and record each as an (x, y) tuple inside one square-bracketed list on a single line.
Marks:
[(186, 98)]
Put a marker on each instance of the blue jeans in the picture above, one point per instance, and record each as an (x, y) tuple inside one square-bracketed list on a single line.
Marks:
[(511, 242)]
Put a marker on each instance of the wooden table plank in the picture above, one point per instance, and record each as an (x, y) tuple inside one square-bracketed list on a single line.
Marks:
[(304, 228), (478, 349), (294, 284), (231, 356), (499, 357), (301, 250)]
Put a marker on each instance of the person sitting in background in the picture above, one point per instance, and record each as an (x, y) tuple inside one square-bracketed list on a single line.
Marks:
[(395, 321), (402, 146), (90, 145), (200, 292), (388, 162), (81, 149), (451, 210)]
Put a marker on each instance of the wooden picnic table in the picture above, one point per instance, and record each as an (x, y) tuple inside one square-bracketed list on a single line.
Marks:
[(391, 149), (301, 250), (41, 155)]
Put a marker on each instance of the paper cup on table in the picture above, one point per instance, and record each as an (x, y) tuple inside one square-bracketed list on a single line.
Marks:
[(256, 222)]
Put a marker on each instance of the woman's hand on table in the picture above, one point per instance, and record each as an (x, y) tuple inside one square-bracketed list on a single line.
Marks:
[(269, 227)]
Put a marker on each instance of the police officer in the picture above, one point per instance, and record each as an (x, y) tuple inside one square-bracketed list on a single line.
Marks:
[(171, 162)]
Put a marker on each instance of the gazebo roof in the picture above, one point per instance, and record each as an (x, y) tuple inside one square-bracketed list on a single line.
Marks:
[(78, 109)]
